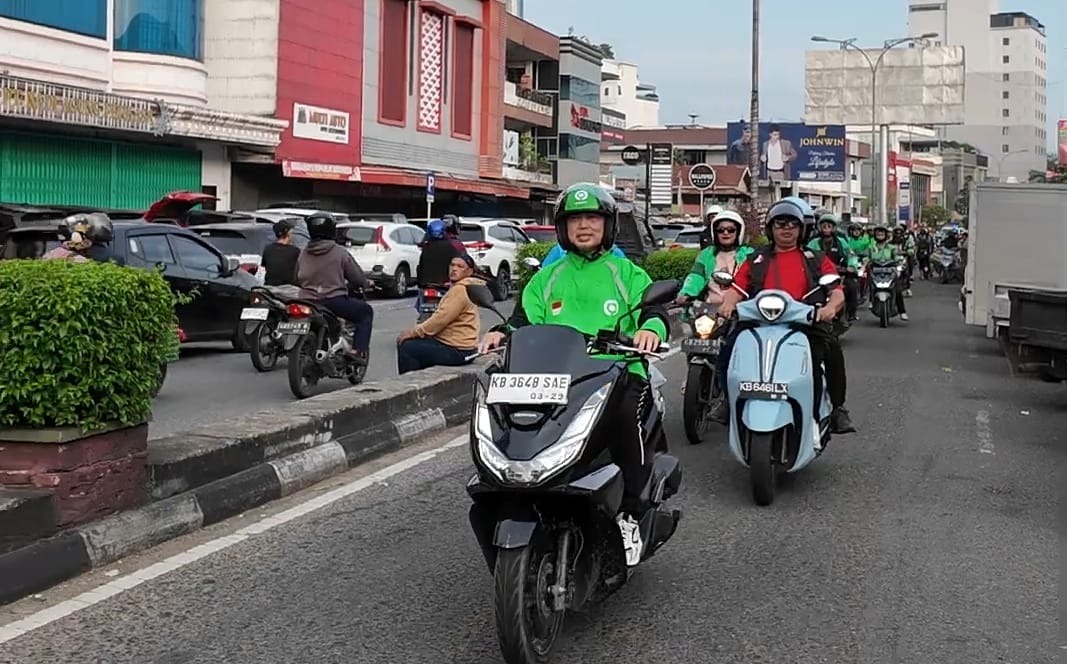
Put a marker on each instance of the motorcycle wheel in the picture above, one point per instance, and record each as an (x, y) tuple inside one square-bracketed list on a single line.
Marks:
[(697, 402), (526, 626), (883, 317), (763, 471), (302, 377), (262, 350)]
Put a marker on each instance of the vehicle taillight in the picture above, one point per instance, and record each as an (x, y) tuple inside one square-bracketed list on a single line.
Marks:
[(379, 239), (181, 335), (299, 310), (478, 246), (250, 268), (429, 292)]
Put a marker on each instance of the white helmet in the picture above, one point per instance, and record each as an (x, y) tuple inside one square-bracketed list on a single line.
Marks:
[(730, 215), (712, 209)]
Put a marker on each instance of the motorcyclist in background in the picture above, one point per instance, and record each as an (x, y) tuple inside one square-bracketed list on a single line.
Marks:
[(438, 250), (924, 247), (280, 257), (327, 270), (884, 251), (589, 289), (787, 265), (858, 242), (81, 232), (834, 245), (906, 246), (707, 238)]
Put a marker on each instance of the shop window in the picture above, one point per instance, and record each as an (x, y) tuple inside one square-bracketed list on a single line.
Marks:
[(393, 63), (463, 83), (163, 27), (84, 17)]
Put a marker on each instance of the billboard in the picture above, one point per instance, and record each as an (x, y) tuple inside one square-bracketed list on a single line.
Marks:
[(921, 86), (791, 151)]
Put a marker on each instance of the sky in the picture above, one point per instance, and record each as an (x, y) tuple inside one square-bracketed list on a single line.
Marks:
[(697, 52)]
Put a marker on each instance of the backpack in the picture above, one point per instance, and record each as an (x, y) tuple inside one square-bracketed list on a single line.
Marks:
[(758, 271)]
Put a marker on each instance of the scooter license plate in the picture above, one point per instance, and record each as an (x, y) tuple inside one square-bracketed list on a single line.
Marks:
[(691, 345), (254, 313), (294, 327), (764, 391), (528, 389)]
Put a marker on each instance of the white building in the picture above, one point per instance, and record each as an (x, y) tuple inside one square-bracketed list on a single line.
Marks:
[(1006, 61), (621, 90), (111, 96)]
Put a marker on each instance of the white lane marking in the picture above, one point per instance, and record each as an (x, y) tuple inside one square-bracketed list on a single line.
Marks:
[(985, 434), (121, 584)]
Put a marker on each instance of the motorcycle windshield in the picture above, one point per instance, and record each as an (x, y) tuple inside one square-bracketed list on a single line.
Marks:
[(522, 432)]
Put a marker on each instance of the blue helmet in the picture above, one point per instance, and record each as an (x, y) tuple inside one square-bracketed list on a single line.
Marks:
[(809, 216), (435, 229), (783, 209)]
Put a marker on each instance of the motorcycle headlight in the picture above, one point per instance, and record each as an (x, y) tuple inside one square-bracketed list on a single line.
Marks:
[(770, 307), (883, 284), (704, 326), (549, 462)]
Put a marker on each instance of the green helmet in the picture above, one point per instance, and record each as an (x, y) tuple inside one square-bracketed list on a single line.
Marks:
[(586, 198), (829, 218)]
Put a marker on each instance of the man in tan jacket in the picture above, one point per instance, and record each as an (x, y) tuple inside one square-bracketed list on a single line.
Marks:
[(450, 335)]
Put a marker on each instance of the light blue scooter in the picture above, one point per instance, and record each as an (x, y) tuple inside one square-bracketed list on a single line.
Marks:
[(769, 386)]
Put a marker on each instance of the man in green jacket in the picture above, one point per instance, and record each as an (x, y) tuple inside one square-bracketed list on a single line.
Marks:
[(589, 289), (724, 254), (859, 243), (832, 243)]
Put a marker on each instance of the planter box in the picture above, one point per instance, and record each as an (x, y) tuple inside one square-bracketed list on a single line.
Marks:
[(90, 474)]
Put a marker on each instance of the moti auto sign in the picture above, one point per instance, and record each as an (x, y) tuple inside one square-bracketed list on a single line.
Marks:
[(702, 176), (580, 119)]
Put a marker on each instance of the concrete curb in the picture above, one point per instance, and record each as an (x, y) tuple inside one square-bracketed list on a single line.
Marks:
[(309, 441)]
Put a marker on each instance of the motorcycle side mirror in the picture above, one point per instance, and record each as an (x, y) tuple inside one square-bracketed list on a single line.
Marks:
[(724, 279), (531, 262), (661, 292), (482, 297), (829, 280)]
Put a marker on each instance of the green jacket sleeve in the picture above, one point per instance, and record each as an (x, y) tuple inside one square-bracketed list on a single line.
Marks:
[(852, 261), (697, 280), (652, 319), (533, 301)]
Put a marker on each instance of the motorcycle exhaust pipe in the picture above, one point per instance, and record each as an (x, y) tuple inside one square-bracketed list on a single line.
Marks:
[(320, 355)]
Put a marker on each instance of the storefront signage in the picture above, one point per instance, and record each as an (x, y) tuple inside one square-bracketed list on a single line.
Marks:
[(64, 104), (320, 124), (315, 171), (580, 119)]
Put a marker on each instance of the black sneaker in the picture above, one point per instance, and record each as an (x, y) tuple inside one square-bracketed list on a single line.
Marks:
[(840, 422)]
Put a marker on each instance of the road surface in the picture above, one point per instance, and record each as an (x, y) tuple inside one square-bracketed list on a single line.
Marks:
[(928, 538), (211, 382)]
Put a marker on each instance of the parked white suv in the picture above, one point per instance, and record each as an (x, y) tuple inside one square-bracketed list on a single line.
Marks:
[(387, 252), (494, 244)]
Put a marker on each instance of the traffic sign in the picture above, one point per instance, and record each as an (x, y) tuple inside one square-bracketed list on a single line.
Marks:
[(702, 176), (631, 155), (431, 187)]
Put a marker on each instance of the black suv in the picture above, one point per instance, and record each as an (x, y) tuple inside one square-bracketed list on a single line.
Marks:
[(189, 263)]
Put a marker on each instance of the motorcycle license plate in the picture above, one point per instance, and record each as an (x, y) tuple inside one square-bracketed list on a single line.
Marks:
[(528, 389), (254, 313), (428, 308), (765, 391), (294, 327), (691, 345)]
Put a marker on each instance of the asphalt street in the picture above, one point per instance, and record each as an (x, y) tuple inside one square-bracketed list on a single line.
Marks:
[(927, 538), (211, 382)]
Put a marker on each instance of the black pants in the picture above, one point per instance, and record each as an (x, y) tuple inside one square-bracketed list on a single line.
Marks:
[(924, 265), (852, 295), (828, 358), (417, 354), (357, 312), (628, 444)]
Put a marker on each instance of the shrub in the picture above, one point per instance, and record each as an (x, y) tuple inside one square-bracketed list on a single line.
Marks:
[(82, 343), (536, 250), (672, 264)]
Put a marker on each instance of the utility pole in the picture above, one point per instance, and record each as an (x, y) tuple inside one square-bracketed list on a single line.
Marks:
[(753, 123)]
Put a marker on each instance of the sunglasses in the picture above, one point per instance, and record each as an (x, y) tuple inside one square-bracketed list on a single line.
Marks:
[(726, 231), (785, 223)]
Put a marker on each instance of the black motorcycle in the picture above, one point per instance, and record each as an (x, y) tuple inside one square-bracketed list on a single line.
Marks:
[(318, 344), (267, 307), (884, 281), (545, 493), (429, 298), (702, 391)]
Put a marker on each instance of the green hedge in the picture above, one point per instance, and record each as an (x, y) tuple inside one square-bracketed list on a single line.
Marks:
[(670, 263), (536, 250), (82, 343)]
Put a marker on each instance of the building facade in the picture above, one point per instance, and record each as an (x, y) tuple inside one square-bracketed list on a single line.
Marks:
[(1006, 87), (578, 116), (110, 99), (623, 92)]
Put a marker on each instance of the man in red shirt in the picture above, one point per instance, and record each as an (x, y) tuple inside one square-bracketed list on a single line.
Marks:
[(786, 265)]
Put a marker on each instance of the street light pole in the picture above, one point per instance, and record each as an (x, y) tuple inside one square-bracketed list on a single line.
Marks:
[(880, 170), (753, 122)]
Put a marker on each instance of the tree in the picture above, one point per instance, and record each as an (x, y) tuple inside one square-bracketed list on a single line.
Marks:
[(963, 198), (606, 51), (935, 215)]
